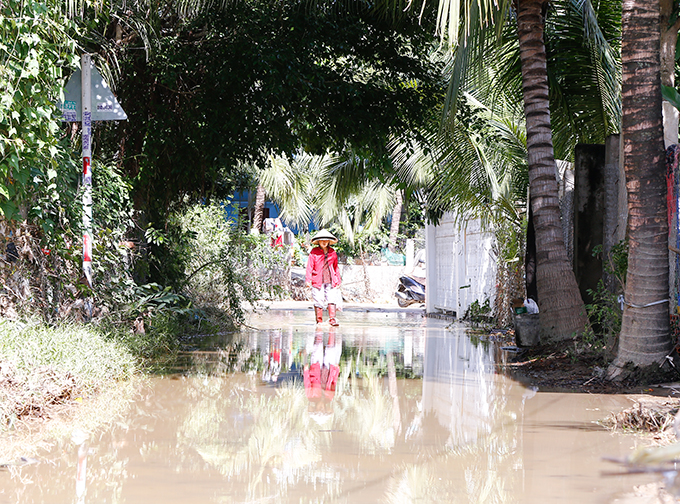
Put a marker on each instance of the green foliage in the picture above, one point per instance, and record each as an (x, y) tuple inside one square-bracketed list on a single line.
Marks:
[(583, 44), (34, 44), (481, 168), (113, 254), (258, 78), (617, 263), (479, 313), (365, 246), (154, 347), (604, 314), (56, 204), (605, 311), (671, 95), (82, 350), (509, 249), (227, 267), (154, 298)]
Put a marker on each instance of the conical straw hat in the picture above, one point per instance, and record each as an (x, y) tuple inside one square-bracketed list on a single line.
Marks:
[(324, 235)]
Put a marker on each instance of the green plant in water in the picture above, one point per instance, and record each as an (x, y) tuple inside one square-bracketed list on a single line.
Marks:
[(478, 313)]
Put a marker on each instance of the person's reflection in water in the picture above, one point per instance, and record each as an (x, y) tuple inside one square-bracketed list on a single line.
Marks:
[(321, 373), (272, 367)]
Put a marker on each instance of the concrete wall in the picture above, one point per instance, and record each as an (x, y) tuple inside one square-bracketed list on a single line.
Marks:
[(370, 283), (461, 265)]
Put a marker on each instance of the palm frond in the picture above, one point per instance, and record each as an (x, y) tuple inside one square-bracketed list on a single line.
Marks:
[(290, 184), (584, 72), (481, 169), (413, 163)]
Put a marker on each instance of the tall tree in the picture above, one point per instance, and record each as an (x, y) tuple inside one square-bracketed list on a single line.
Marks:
[(396, 220), (562, 309), (644, 339), (258, 209)]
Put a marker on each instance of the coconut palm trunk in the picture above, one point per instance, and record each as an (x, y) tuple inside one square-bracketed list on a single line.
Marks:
[(258, 210), (562, 313), (396, 220), (644, 339)]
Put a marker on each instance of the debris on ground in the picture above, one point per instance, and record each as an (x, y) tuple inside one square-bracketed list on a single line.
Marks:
[(649, 414), (31, 397)]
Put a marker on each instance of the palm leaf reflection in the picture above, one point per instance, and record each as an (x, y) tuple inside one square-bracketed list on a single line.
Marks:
[(256, 437), (415, 483), (273, 442), (247, 436), (364, 411)]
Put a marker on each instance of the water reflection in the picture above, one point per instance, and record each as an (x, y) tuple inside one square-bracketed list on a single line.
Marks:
[(321, 373), (338, 393), (385, 408)]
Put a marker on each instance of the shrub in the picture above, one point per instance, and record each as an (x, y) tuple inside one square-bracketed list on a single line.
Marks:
[(227, 267)]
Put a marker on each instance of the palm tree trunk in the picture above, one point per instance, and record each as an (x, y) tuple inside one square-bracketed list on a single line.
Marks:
[(258, 211), (562, 313), (396, 220), (644, 338)]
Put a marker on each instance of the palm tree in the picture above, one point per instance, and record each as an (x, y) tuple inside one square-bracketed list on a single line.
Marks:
[(258, 209), (396, 220), (347, 196), (329, 190), (562, 310), (644, 339)]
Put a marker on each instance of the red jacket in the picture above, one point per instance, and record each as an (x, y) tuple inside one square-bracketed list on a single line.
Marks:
[(315, 267)]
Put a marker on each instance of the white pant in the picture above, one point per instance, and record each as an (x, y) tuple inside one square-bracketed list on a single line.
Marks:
[(326, 295), (324, 356)]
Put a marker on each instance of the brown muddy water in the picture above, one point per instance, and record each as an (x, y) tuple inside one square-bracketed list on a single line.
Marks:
[(419, 414)]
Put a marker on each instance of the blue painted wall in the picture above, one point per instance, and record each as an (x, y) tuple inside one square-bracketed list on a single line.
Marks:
[(240, 199)]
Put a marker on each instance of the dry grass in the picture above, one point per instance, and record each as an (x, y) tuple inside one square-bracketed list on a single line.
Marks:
[(20, 399), (649, 415), (33, 436)]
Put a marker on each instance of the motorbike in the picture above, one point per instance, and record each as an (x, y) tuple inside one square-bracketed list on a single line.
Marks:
[(410, 291), (412, 287)]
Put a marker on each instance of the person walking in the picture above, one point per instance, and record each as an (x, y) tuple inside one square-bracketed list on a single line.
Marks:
[(323, 276)]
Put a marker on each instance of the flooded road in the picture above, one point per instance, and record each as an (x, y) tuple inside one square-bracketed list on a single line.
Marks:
[(390, 407)]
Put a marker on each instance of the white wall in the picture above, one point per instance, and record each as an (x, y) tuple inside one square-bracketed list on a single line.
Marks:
[(461, 265), (375, 283)]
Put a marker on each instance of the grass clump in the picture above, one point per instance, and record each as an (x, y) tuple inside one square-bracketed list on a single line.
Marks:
[(42, 367)]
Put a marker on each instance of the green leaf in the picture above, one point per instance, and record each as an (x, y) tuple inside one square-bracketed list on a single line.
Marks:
[(671, 95), (9, 209), (22, 176)]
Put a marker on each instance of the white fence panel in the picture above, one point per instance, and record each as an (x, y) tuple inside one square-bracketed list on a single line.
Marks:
[(461, 265)]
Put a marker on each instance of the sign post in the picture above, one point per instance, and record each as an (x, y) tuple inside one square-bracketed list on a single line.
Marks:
[(86, 94), (88, 98)]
